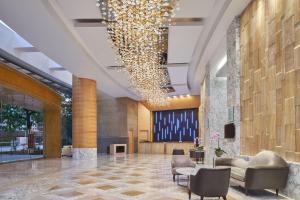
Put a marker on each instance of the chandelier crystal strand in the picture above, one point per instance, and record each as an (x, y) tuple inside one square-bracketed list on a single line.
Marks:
[(136, 29)]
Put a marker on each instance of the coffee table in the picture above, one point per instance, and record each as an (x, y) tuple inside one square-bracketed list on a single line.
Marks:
[(185, 171)]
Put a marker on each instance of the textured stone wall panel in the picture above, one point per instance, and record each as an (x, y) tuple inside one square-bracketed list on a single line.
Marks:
[(270, 77)]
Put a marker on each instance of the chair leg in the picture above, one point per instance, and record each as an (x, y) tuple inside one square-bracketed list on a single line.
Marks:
[(277, 191), (173, 177), (202, 197), (246, 192), (224, 197), (190, 194)]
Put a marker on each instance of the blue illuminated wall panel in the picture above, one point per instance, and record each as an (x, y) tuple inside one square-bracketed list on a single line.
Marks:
[(175, 125)]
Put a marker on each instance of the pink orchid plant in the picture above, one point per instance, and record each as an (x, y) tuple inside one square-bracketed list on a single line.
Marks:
[(216, 137)]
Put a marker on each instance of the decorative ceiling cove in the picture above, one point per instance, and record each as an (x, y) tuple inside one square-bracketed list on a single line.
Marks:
[(71, 32)]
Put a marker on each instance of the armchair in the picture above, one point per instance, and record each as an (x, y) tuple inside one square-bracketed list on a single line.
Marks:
[(213, 182), (179, 161), (178, 152)]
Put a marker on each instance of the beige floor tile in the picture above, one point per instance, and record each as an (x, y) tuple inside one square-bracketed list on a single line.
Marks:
[(132, 193), (106, 187)]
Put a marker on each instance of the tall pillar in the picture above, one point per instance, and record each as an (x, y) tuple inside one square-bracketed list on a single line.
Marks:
[(84, 118)]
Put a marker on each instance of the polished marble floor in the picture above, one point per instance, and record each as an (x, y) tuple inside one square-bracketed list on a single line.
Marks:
[(12, 157), (134, 177)]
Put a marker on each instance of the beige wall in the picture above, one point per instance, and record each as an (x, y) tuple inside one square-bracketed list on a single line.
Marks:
[(144, 123), (270, 78), (132, 119)]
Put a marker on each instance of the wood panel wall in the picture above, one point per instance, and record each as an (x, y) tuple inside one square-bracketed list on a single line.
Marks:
[(164, 147), (24, 84), (270, 78), (84, 113)]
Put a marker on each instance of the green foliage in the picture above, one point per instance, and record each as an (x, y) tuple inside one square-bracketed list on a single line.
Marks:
[(37, 117), (66, 105), (13, 118), (66, 112), (219, 152), (199, 148)]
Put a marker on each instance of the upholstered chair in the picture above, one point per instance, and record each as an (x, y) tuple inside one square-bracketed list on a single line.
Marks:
[(179, 161), (210, 182), (178, 152)]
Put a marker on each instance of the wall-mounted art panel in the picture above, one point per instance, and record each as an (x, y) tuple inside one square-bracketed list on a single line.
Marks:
[(175, 125)]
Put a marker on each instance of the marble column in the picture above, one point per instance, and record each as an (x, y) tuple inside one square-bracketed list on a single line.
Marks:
[(84, 118)]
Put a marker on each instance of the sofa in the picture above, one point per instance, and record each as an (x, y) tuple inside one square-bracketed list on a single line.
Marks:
[(266, 170), (179, 161)]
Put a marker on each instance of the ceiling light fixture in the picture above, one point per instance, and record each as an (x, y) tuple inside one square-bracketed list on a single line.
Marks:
[(135, 29)]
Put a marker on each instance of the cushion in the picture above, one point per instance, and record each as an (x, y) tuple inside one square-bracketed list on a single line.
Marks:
[(238, 173), (268, 159), (239, 163)]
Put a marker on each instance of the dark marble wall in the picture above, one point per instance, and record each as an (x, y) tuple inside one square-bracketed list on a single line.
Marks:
[(116, 116), (104, 142)]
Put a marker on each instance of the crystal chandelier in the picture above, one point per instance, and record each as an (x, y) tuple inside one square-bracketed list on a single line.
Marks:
[(136, 30)]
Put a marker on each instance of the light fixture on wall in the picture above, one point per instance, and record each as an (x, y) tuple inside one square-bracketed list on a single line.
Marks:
[(136, 31), (222, 62)]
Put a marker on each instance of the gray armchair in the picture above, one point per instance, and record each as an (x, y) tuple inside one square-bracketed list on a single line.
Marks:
[(266, 170), (212, 182), (179, 161)]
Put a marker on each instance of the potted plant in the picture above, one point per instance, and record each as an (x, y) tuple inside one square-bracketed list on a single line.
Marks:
[(199, 148), (218, 151)]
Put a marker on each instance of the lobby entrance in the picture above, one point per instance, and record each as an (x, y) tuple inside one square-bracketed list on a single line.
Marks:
[(21, 126)]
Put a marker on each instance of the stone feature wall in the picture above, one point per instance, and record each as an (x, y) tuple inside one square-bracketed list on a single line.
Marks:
[(217, 110), (116, 116), (233, 84), (203, 110), (220, 93)]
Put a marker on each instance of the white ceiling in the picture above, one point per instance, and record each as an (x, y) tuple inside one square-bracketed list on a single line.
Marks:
[(195, 8), (182, 42), (85, 51)]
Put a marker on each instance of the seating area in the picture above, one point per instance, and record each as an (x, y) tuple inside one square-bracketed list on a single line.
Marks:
[(266, 170), (149, 99)]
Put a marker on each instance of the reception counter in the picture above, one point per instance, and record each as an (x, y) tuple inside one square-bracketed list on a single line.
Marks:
[(164, 147)]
